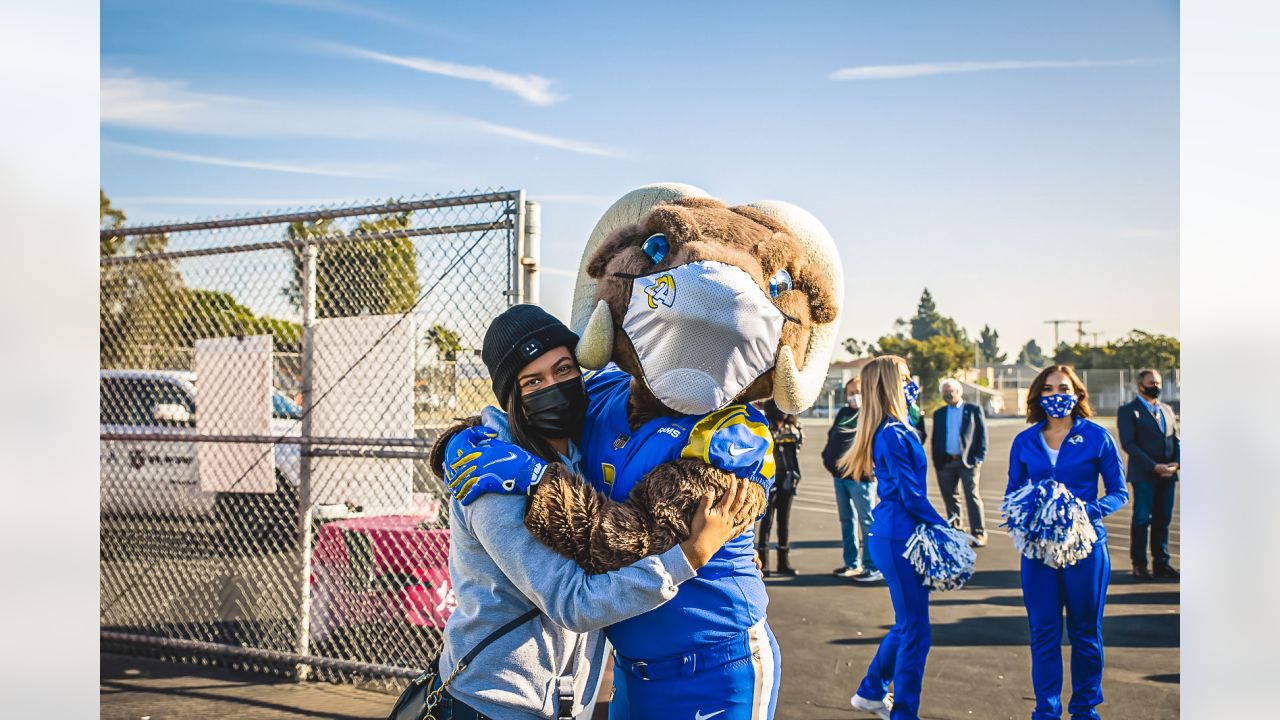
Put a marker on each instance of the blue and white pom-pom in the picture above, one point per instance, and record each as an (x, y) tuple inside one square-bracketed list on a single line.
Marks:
[(941, 555), (1048, 523)]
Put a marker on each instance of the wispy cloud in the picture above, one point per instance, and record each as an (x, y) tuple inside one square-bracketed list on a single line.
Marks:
[(139, 101), (545, 140), (247, 164), (366, 12), (136, 101), (532, 88), (895, 72)]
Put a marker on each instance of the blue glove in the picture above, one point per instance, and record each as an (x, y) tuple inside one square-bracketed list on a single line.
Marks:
[(476, 463)]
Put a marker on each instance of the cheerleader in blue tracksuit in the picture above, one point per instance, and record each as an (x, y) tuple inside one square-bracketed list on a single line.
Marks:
[(1064, 445), (900, 467)]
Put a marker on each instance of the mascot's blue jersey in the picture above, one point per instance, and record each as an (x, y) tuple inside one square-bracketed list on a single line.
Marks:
[(728, 595)]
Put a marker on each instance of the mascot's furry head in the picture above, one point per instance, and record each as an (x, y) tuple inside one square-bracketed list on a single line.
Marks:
[(705, 304)]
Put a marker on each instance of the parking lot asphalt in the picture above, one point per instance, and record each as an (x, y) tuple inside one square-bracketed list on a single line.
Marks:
[(828, 629)]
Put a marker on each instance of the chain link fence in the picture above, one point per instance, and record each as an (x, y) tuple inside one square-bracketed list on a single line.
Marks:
[(270, 387)]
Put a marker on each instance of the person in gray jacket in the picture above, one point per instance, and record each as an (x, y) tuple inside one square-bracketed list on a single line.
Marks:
[(550, 666)]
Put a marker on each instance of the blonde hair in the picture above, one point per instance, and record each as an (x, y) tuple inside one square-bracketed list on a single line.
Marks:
[(882, 397)]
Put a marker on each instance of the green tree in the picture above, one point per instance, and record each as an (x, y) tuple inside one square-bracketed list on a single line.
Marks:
[(1143, 349), (446, 342), (149, 318), (928, 322), (1136, 350), (989, 347), (1032, 355), (374, 277), (109, 218), (934, 346), (135, 324), (1065, 354), (931, 359), (213, 313), (858, 348)]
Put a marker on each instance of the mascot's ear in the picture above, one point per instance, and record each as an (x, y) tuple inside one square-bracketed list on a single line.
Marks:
[(621, 238), (796, 385), (630, 209)]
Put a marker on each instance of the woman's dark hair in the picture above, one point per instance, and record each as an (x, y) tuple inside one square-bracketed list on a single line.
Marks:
[(521, 433), (1036, 413)]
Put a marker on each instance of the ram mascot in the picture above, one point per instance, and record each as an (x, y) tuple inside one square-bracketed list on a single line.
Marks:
[(687, 310), (705, 308)]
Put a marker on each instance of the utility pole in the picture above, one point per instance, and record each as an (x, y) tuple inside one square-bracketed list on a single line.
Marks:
[(1056, 323), (1095, 335)]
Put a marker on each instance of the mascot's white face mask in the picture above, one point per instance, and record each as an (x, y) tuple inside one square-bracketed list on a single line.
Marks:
[(703, 332)]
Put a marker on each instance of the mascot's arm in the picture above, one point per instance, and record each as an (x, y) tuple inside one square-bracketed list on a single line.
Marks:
[(600, 534), (435, 460)]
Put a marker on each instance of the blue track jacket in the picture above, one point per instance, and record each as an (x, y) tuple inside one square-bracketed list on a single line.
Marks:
[(1088, 451), (902, 471), (728, 595)]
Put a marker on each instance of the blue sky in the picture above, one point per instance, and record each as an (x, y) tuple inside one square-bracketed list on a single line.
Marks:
[(1018, 159)]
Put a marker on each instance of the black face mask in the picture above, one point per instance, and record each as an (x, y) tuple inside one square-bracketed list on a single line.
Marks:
[(1151, 391), (557, 411)]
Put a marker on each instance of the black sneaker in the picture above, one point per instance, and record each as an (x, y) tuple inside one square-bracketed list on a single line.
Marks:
[(844, 571), (1141, 573), (1167, 572)]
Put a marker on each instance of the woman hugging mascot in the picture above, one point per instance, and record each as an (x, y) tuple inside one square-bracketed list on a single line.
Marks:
[(688, 309)]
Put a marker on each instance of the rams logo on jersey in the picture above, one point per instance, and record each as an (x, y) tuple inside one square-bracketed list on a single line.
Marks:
[(663, 290)]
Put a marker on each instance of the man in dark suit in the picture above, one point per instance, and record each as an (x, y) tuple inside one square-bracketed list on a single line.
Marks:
[(959, 447), (1149, 434)]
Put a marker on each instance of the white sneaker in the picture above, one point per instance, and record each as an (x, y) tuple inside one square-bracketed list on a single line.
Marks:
[(879, 708), (844, 571), (876, 576)]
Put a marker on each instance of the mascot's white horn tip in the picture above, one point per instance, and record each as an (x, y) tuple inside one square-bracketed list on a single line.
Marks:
[(786, 383), (595, 347)]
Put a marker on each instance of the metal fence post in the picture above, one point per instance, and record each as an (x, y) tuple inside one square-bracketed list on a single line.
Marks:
[(515, 247), (303, 641), (531, 250)]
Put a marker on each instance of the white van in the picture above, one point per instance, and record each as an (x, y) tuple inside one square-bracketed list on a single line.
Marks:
[(158, 478)]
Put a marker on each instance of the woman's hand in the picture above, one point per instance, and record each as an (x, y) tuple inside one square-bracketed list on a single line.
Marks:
[(713, 525)]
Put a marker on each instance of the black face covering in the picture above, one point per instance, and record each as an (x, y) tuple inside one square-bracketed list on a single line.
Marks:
[(557, 411), (1151, 391)]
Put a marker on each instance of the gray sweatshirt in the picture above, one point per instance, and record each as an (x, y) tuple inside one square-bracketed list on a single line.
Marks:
[(499, 571)]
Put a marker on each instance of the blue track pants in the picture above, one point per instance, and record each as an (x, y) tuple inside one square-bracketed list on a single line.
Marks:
[(744, 688), (1081, 590), (903, 651)]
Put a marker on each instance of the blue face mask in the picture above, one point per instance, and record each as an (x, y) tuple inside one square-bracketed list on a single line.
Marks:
[(1058, 406), (911, 391)]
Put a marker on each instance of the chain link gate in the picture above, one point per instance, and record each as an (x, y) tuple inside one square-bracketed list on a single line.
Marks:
[(269, 389)]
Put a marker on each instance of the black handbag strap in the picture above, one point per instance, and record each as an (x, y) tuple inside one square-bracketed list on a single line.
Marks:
[(493, 636)]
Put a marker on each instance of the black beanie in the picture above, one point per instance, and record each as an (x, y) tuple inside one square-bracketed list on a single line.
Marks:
[(515, 338)]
